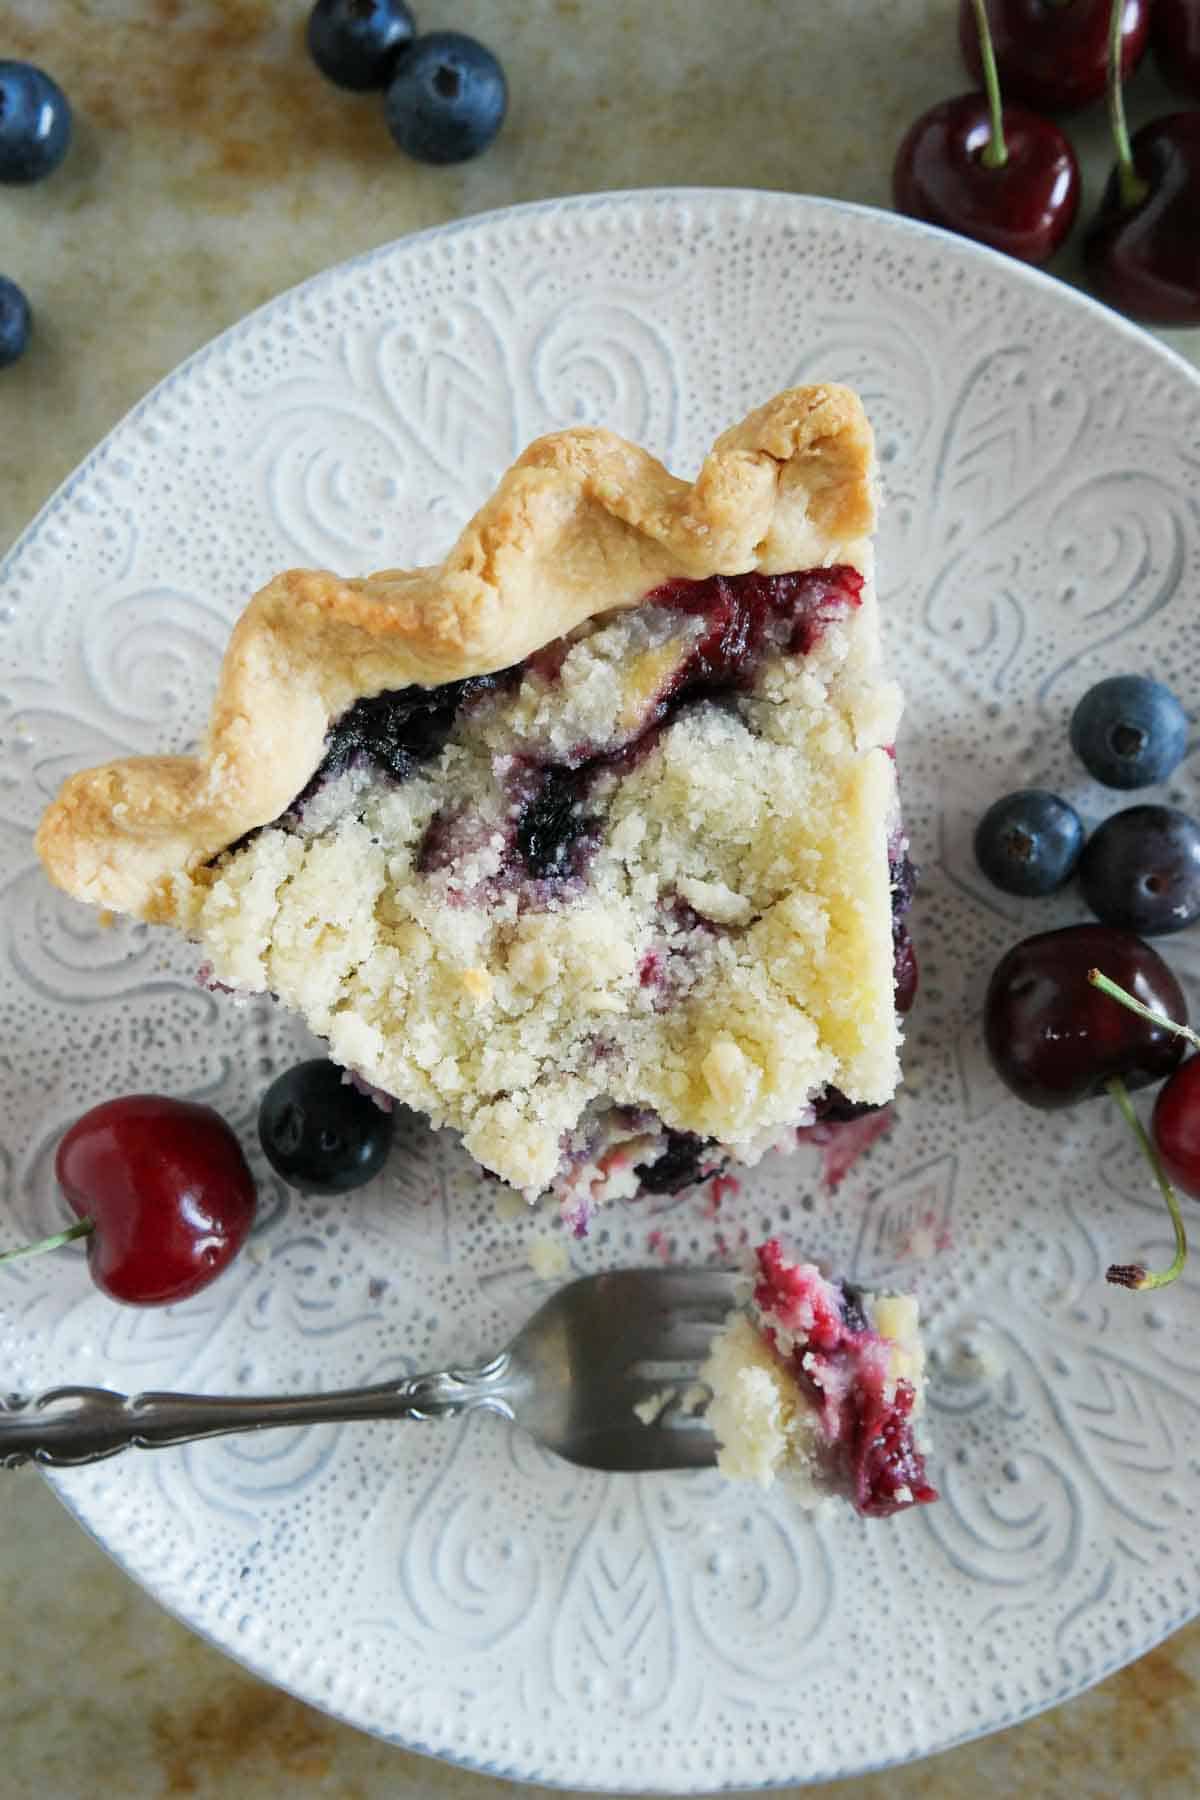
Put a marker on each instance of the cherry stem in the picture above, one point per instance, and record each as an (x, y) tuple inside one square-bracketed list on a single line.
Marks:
[(1135, 1275), (1099, 980), (995, 151), (1133, 189), (81, 1228)]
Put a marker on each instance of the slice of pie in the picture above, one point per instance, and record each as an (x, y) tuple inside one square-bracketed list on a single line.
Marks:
[(822, 1384), (584, 843)]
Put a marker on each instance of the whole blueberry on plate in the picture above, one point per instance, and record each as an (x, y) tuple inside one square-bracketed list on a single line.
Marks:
[(355, 43), (1129, 731), (1140, 870), (447, 99), (320, 1133), (15, 322), (35, 123), (1029, 842)]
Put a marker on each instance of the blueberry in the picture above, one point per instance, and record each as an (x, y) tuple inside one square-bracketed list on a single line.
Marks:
[(1141, 870), (15, 322), (320, 1133), (356, 42), (1129, 731), (1029, 842), (447, 99), (35, 123)]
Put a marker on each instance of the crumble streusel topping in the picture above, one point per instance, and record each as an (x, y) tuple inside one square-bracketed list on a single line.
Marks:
[(587, 899)]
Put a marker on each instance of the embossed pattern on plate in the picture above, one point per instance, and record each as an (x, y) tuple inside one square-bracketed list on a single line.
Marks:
[(457, 1589)]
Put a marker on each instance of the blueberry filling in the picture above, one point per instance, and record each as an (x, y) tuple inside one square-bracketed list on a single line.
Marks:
[(745, 614), (553, 830), (905, 876), (397, 730), (853, 1316), (904, 958), (686, 1160), (833, 1108)]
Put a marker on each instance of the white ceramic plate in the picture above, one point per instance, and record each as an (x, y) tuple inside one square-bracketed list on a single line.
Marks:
[(455, 1589)]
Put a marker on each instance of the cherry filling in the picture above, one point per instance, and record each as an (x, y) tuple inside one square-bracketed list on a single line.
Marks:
[(747, 614), (841, 1363), (887, 1469)]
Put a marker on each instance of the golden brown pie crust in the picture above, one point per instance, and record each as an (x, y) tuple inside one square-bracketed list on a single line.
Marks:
[(582, 524)]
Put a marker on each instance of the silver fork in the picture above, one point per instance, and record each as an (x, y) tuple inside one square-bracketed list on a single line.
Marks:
[(572, 1376)]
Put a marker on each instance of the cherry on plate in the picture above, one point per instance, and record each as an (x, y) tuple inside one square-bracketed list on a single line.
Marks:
[(1054, 1039), (1176, 1126), (167, 1190)]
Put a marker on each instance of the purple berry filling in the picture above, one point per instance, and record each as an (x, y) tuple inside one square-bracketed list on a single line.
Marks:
[(833, 1108), (686, 1160), (854, 1317), (886, 1467), (748, 615), (875, 1446), (398, 730), (554, 831), (905, 876)]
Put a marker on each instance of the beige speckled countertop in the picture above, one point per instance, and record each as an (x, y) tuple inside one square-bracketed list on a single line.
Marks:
[(211, 169)]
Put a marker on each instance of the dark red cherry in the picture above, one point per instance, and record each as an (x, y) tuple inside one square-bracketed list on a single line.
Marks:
[(1176, 1127), (1054, 1039), (168, 1192), (1025, 207), (1175, 31), (1142, 249), (1053, 54)]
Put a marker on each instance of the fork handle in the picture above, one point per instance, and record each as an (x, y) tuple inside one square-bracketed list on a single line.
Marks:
[(73, 1425)]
